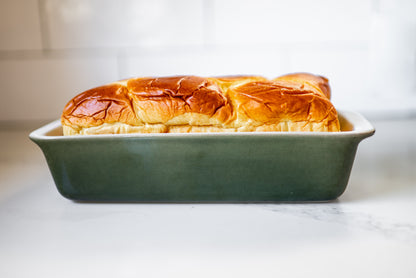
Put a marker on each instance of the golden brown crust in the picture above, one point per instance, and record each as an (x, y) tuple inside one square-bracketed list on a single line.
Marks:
[(159, 100), (320, 83), (105, 104), (295, 102), (267, 103)]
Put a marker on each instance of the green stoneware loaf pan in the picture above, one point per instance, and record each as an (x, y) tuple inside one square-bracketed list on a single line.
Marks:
[(203, 167)]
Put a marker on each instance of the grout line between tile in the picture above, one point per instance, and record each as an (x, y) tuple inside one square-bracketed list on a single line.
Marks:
[(33, 54), (119, 53), (43, 22)]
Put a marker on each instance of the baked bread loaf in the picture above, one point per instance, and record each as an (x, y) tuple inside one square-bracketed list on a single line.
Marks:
[(293, 102)]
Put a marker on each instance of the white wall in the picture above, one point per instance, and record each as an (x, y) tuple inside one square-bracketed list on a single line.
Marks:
[(51, 50)]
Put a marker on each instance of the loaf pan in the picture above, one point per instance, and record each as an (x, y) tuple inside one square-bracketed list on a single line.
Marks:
[(203, 167)]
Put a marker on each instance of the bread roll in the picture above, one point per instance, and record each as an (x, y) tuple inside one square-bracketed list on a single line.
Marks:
[(294, 102)]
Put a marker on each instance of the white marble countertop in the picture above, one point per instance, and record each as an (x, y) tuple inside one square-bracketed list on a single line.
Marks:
[(369, 232)]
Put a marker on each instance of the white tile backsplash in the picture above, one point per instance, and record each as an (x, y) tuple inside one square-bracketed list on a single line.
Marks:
[(39, 89), (347, 71), (124, 23), (269, 21), (393, 55), (53, 49), (404, 9), (19, 25)]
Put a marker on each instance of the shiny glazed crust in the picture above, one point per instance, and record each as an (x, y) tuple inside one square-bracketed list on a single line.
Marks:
[(293, 102)]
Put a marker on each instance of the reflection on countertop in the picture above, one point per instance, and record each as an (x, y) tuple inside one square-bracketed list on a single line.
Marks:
[(369, 231)]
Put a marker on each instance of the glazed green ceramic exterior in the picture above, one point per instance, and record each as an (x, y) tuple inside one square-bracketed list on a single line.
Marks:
[(266, 167)]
